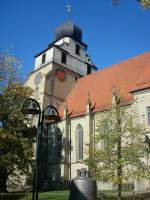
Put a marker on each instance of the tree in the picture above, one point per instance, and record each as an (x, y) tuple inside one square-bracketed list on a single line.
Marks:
[(9, 70), (144, 3), (16, 149), (119, 153)]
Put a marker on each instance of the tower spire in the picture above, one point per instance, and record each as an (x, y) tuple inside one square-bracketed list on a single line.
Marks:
[(69, 9)]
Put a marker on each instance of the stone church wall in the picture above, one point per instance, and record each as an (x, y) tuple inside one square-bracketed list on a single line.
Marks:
[(139, 106)]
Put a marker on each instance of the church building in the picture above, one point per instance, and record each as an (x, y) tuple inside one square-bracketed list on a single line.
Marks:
[(65, 76)]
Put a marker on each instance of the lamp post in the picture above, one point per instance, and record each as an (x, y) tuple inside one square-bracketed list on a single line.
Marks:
[(47, 115), (3, 117)]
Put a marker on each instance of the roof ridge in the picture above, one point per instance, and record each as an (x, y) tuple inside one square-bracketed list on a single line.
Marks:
[(111, 66), (116, 65)]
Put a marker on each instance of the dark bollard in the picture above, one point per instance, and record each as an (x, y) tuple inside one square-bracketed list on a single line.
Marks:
[(83, 187)]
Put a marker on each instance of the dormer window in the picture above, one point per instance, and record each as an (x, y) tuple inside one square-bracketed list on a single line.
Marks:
[(43, 58), (63, 58), (77, 50)]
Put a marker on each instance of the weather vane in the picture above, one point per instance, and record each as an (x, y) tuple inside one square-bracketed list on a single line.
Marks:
[(68, 7)]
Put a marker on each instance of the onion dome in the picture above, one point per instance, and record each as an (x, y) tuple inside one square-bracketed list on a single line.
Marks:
[(69, 29)]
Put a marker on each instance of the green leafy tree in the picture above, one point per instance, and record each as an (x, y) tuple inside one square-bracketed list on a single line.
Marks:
[(118, 156), (16, 149)]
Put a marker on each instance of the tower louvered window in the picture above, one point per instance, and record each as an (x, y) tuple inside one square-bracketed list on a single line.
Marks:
[(43, 58), (77, 50), (63, 58)]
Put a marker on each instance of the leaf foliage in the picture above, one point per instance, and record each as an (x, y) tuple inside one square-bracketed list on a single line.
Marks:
[(119, 123), (16, 147)]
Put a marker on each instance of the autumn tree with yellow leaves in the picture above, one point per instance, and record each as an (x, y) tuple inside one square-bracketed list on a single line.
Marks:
[(16, 149)]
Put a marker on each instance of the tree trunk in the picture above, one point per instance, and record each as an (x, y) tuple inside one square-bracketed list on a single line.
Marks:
[(119, 167), (3, 179), (119, 154), (119, 173)]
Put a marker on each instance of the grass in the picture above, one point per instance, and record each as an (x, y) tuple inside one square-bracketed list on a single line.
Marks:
[(63, 195), (57, 195), (126, 195)]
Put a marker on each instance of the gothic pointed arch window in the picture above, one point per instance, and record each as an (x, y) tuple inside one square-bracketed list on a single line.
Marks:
[(79, 142)]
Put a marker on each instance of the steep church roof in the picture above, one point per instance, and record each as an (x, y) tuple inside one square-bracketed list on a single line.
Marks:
[(128, 76)]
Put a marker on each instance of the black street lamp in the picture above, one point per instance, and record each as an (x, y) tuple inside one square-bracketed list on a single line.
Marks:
[(3, 117), (47, 115)]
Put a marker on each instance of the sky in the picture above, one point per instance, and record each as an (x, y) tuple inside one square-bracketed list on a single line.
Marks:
[(112, 33)]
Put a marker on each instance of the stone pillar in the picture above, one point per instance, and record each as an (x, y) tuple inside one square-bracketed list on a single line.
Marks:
[(89, 123), (66, 144)]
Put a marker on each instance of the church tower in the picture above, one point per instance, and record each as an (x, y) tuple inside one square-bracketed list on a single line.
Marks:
[(60, 65)]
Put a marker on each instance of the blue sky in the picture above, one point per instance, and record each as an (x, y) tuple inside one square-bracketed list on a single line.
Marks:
[(112, 33)]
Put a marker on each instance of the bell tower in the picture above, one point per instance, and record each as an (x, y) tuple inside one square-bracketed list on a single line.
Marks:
[(60, 65)]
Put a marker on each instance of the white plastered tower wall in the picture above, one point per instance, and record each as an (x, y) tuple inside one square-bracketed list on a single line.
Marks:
[(77, 63), (48, 59)]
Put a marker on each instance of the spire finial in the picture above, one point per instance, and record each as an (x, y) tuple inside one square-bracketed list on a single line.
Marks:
[(65, 105), (68, 7), (65, 110), (88, 104), (88, 99)]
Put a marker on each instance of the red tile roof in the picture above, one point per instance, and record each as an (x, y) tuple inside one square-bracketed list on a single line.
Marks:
[(127, 76)]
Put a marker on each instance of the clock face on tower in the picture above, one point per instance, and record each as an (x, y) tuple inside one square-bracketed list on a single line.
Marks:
[(61, 74), (38, 78)]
